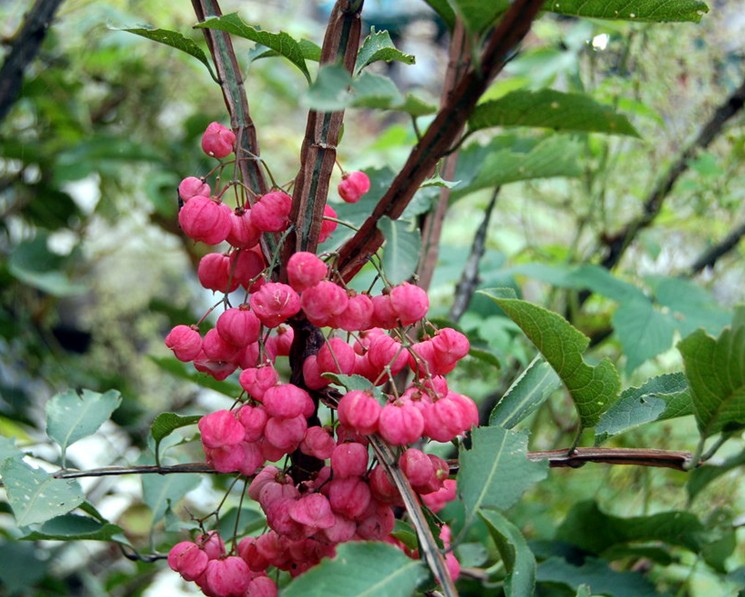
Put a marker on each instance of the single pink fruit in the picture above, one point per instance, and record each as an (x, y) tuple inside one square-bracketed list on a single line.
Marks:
[(286, 401), (384, 316), (245, 266), (358, 315), (275, 303), (439, 499), (203, 219), (382, 487), (353, 186), (280, 342), (192, 186), (212, 544), (257, 380), (400, 423), (377, 523), (349, 497), (409, 302), (227, 577), (253, 419), (217, 349), (313, 510), (185, 342), (327, 226), (188, 560), (218, 141), (220, 428), (243, 234), (349, 460), (285, 434), (238, 326), (360, 411), (318, 443), (271, 212), (262, 586), (312, 374), (323, 302), (213, 272), (336, 356), (304, 270)]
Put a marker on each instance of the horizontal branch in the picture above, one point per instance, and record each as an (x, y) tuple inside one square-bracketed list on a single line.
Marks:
[(113, 471), (717, 251)]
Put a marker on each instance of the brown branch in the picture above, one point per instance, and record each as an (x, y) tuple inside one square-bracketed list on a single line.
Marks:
[(717, 251), (318, 152), (113, 471), (23, 49), (618, 243), (234, 94), (440, 135)]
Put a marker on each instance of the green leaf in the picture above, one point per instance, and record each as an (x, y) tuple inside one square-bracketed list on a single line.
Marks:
[(496, 471), (401, 250), (32, 263), (378, 46), (416, 106), (715, 368), (593, 389), (331, 90), (375, 91), (360, 569), (550, 109), (72, 527), (36, 496), (583, 591), (519, 561), (531, 389), (444, 11), (700, 477), (23, 566), (310, 51), (643, 331), (598, 575), (183, 371), (166, 423), (73, 415), (173, 39), (280, 42), (658, 399), (160, 492), (485, 356), (498, 163), (691, 306), (656, 11), (478, 15), (8, 449)]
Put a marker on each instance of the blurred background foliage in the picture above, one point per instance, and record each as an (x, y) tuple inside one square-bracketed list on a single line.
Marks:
[(94, 270)]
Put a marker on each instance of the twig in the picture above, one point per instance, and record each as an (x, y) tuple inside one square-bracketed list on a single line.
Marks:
[(23, 50), (110, 471), (440, 135), (427, 543), (618, 243), (469, 279), (709, 257)]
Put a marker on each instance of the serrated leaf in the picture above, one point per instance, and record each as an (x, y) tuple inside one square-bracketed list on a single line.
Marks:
[(439, 181), (310, 51), (159, 492), (593, 389), (281, 42), (656, 11), (547, 108), (73, 415), (658, 399), (495, 471), (183, 371), (378, 46), (72, 527), (360, 569), (36, 496), (166, 423), (401, 249), (519, 561), (715, 368), (173, 39), (700, 477), (498, 163), (601, 578), (531, 389)]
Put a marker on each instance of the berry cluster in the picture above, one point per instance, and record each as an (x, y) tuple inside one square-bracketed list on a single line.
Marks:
[(332, 490)]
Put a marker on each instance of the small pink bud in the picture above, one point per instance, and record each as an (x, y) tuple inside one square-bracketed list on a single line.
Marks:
[(218, 141), (185, 342), (304, 270)]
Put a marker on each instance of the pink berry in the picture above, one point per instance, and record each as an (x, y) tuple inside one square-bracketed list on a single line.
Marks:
[(349, 497), (343, 530), (238, 326), (418, 468), (436, 501), (377, 523), (353, 186), (318, 443), (324, 301), (253, 419), (192, 186), (218, 369), (212, 544), (358, 315), (336, 356), (304, 270), (359, 410), (382, 487), (185, 342), (286, 401), (400, 423), (384, 315), (243, 457), (285, 434), (450, 346), (228, 577), (245, 266), (203, 219), (312, 374), (327, 226), (243, 234), (262, 586), (280, 342), (349, 460), (257, 380), (409, 302), (214, 273), (267, 475), (274, 303), (218, 141), (188, 560), (385, 351), (271, 212), (217, 349), (219, 429), (313, 510)]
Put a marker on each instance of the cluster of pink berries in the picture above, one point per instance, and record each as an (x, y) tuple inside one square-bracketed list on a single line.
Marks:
[(344, 495)]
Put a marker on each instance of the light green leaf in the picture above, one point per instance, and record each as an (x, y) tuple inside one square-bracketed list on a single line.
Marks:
[(519, 561), (360, 569), (173, 39), (280, 42), (183, 371), (36, 496), (444, 11), (72, 527), (531, 389), (550, 109), (715, 368), (8, 449), (656, 11), (378, 46), (496, 471), (165, 424), (700, 477), (159, 492), (593, 389), (658, 399), (597, 574), (494, 164), (74, 415), (32, 263), (439, 181), (643, 331), (690, 305), (583, 591), (416, 106), (401, 250), (478, 15), (331, 91), (375, 91)]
